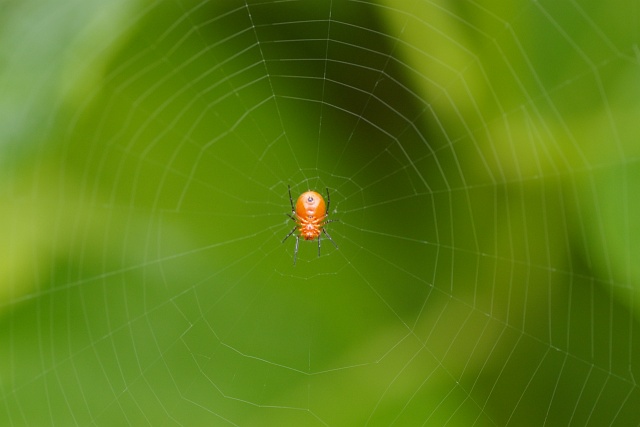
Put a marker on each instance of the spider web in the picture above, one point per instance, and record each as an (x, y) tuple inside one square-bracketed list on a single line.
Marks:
[(481, 160)]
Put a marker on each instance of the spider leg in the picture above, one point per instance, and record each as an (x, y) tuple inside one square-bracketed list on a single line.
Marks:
[(291, 199), (328, 201), (329, 237), (290, 233), (295, 251)]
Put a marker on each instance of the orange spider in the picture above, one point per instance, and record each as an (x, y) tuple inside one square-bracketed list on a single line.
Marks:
[(309, 214)]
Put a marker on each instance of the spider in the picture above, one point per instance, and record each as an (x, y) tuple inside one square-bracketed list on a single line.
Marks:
[(310, 215)]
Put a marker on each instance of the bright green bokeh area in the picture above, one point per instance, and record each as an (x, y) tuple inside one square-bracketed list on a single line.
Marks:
[(482, 162)]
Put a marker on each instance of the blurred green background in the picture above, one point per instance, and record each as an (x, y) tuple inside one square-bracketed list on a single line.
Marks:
[(483, 162)]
